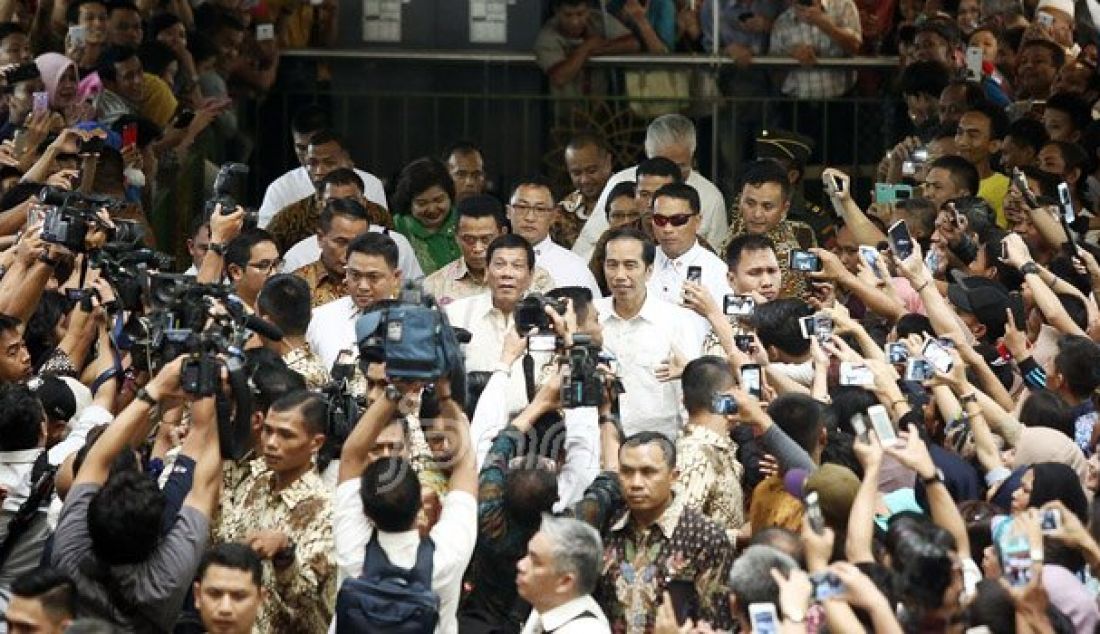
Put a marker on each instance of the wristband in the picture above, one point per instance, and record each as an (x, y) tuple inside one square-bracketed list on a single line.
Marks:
[(965, 399), (923, 286), (144, 396), (1030, 268)]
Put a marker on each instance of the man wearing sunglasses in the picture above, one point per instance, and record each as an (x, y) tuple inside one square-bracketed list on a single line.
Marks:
[(676, 220)]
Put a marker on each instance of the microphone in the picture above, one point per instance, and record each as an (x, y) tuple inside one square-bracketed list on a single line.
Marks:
[(795, 481), (263, 328)]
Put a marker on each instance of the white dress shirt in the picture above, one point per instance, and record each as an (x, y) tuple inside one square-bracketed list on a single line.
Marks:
[(641, 344), (713, 227), (487, 326), (308, 250), (567, 619), (582, 440), (455, 535), (567, 268), (296, 185), (669, 275), (332, 329)]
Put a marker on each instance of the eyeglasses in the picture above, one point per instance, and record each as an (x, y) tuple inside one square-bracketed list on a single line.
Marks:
[(525, 209), (678, 220), (266, 266)]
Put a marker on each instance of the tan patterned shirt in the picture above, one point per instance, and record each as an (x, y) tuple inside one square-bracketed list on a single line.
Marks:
[(300, 597), (305, 362), (454, 281), (788, 235), (710, 476), (299, 220), (323, 287)]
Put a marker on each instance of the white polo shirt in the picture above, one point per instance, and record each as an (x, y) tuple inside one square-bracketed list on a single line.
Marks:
[(669, 274)]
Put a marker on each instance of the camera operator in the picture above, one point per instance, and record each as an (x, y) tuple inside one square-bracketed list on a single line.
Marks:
[(284, 301)]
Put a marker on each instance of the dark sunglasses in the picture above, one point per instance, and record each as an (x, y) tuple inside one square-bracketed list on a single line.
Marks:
[(678, 220)]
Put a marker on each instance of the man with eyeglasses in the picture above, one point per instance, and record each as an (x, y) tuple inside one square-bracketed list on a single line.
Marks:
[(370, 274), (676, 220), (480, 221), (250, 259), (532, 211)]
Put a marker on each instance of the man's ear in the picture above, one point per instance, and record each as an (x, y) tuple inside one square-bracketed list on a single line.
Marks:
[(196, 590), (234, 272), (316, 442), (995, 145)]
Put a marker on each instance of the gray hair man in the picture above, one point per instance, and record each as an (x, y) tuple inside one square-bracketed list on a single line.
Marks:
[(671, 136), (751, 582), (557, 577)]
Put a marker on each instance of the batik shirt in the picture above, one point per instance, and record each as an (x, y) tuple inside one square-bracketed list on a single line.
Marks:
[(323, 287), (567, 225), (304, 362), (787, 235), (300, 596), (710, 476)]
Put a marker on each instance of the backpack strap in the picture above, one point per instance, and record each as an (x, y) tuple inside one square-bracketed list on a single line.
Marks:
[(42, 485), (377, 563)]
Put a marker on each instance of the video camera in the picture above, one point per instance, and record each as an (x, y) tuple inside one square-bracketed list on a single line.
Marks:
[(413, 337), (344, 407), (530, 313), (227, 185), (72, 215), (584, 383)]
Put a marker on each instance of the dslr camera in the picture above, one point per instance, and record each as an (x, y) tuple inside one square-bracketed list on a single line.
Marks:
[(227, 185), (72, 215), (531, 313)]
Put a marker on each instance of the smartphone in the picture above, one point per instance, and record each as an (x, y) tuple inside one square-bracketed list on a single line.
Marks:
[(857, 374), (1016, 304), (883, 426), (813, 513), (823, 327), (974, 59), (889, 193), (751, 380), (901, 242), (763, 618), (918, 370), (838, 184), (897, 352), (870, 257), (76, 35), (1050, 521), (826, 586), (41, 101), (684, 600), (1020, 181), (129, 135), (800, 260), (1065, 201), (723, 404), (738, 305), (22, 72), (184, 119), (935, 353), (695, 274), (265, 32), (806, 325), (859, 424), (1015, 552)]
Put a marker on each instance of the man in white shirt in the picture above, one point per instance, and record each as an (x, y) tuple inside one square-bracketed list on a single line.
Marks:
[(489, 316), (346, 183), (643, 331), (532, 211), (673, 137), (371, 274), (296, 184), (676, 220), (379, 503), (558, 576)]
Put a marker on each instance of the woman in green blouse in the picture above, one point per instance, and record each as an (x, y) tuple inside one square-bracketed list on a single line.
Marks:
[(424, 212)]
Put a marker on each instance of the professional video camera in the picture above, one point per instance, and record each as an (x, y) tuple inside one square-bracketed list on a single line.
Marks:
[(530, 313), (344, 407), (227, 185), (414, 339), (72, 215), (584, 383)]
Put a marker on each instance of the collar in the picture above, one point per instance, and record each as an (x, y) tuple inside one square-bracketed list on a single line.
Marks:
[(321, 274), (707, 436), (488, 309), (543, 247), (648, 311), (458, 270), (667, 522), (571, 609), (304, 488), (686, 258), (23, 456)]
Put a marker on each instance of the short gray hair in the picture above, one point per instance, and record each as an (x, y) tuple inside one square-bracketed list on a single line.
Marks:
[(751, 578), (577, 549), (669, 129)]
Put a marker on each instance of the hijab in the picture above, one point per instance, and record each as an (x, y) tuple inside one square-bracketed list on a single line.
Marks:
[(1056, 481), (52, 66)]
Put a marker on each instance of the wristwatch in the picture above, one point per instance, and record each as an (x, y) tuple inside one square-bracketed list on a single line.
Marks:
[(217, 247), (1029, 268), (393, 394), (936, 477), (144, 396)]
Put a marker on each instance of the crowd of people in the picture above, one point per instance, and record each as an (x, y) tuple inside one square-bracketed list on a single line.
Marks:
[(643, 406)]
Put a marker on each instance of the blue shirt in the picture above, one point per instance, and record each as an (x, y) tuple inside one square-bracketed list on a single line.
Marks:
[(729, 23), (661, 15)]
